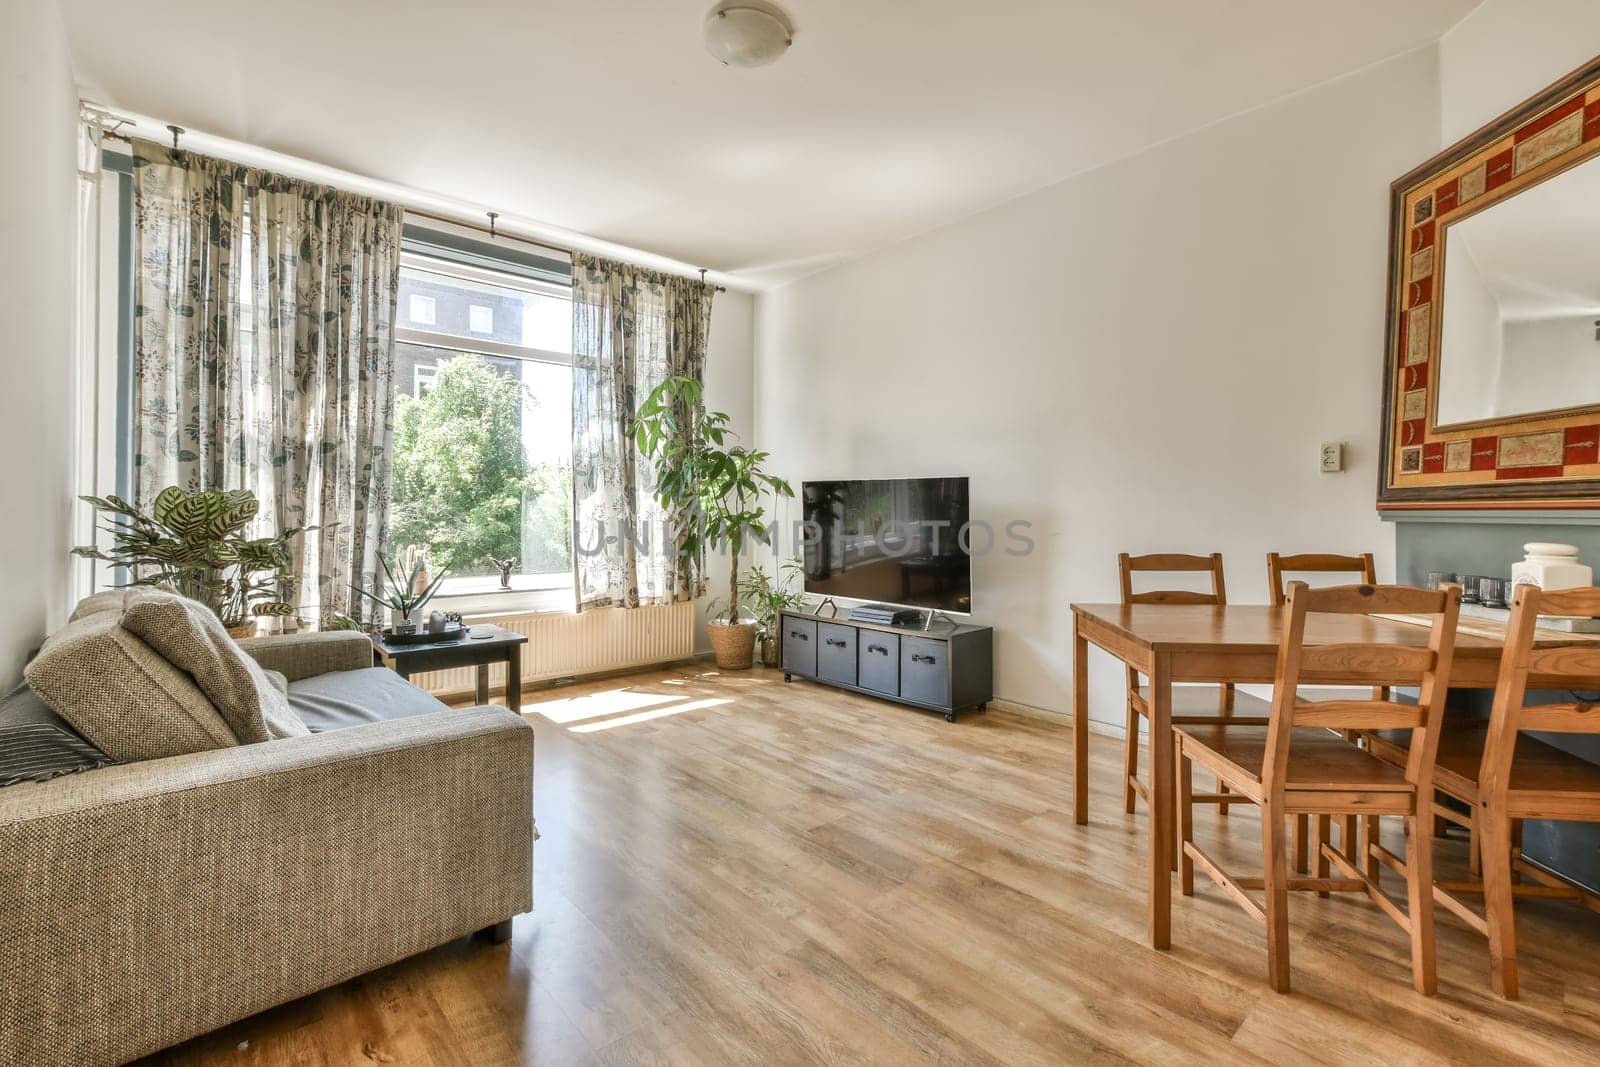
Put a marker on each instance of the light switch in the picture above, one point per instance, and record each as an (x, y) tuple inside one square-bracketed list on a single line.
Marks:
[(1332, 457)]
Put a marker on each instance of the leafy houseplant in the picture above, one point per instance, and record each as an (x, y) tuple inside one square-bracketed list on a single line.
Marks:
[(401, 597), (192, 543), (767, 595), (714, 486)]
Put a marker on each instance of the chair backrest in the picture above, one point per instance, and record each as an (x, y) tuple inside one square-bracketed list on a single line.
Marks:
[(1363, 662), (1359, 567), (1320, 563), (1574, 666), (1172, 563)]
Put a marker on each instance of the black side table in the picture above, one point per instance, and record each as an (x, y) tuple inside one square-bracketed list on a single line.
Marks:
[(483, 645)]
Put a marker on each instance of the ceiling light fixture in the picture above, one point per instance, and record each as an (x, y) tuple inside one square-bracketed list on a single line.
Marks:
[(748, 33)]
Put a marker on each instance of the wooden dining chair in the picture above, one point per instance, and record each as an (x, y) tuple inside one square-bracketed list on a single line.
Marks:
[(1360, 570), (1358, 567), (1294, 765), (1504, 775), (1190, 704)]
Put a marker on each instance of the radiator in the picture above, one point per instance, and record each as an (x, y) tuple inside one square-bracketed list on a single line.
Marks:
[(562, 645)]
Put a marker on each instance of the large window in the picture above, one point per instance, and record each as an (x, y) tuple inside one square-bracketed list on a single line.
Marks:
[(483, 406), (483, 427)]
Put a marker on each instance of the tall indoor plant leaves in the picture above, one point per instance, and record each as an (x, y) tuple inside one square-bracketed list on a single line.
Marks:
[(710, 484)]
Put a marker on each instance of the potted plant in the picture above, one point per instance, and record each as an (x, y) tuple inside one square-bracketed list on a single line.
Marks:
[(714, 488), (192, 542), (403, 598), (766, 596)]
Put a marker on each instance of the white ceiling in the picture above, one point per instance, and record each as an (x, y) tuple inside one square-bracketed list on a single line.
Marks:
[(607, 117)]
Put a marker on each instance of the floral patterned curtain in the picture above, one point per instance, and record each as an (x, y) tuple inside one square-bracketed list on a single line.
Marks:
[(264, 357), (631, 328)]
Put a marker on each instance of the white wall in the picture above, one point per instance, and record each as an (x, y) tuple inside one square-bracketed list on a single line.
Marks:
[(730, 359), (1504, 52), (1141, 358), (38, 108)]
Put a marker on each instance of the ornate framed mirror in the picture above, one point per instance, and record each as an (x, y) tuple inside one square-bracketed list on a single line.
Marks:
[(1492, 369)]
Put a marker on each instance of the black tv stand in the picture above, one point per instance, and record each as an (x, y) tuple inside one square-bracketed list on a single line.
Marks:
[(945, 670)]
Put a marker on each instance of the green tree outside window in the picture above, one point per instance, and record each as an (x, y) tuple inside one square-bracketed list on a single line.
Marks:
[(462, 480)]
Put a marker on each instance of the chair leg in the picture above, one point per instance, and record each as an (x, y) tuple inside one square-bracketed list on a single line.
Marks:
[(1475, 846), (1419, 904), (1222, 790), (1516, 850), (1302, 831), (1324, 835), (1350, 838), (1185, 821), (1130, 761), (1498, 903), (1371, 835), (1275, 884)]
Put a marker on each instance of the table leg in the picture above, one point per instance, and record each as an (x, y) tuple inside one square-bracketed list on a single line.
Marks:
[(1080, 725), (482, 693), (514, 678), (1162, 780)]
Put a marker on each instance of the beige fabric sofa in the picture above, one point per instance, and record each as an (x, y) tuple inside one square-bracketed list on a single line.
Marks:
[(148, 902)]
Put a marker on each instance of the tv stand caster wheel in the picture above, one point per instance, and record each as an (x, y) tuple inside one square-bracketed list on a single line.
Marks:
[(983, 707), (786, 676), (949, 716)]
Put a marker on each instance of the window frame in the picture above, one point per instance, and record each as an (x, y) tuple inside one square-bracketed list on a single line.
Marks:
[(472, 318), (545, 598), (415, 302), (510, 268)]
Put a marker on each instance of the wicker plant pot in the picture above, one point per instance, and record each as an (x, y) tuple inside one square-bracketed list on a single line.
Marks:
[(734, 646), (242, 630)]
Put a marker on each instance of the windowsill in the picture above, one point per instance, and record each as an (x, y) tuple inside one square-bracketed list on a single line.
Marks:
[(489, 584), (483, 597)]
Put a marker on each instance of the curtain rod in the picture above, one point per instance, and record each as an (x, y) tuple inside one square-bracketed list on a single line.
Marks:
[(498, 234), (492, 232)]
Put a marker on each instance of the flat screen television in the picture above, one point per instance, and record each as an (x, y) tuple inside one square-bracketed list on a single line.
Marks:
[(888, 540)]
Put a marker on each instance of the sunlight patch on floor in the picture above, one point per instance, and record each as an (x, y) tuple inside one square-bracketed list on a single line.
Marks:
[(646, 716), (597, 705)]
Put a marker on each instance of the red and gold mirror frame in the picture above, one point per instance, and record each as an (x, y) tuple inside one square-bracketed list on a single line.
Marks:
[(1546, 459)]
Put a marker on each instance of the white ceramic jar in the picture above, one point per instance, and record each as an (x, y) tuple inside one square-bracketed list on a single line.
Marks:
[(1551, 566)]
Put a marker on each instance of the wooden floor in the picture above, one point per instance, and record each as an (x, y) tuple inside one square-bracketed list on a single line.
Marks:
[(735, 870)]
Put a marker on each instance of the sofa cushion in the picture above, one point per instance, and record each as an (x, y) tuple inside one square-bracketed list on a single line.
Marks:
[(353, 698), (36, 744), (105, 600), (193, 639), (121, 695)]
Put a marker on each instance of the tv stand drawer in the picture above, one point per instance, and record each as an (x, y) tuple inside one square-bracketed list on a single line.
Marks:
[(836, 653), (880, 662), (925, 671), (800, 646)]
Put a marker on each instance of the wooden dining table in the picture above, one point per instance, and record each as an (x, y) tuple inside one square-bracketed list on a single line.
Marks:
[(1171, 643)]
